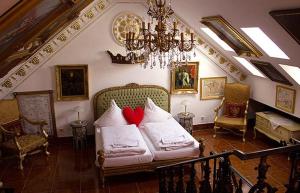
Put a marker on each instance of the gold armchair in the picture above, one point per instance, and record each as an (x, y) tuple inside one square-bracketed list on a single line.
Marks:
[(14, 138), (235, 108)]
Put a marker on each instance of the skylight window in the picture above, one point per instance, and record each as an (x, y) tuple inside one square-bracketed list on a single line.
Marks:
[(263, 41), (293, 71), (249, 66), (214, 36)]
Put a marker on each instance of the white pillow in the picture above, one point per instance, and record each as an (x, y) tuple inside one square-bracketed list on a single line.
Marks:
[(153, 113), (111, 117)]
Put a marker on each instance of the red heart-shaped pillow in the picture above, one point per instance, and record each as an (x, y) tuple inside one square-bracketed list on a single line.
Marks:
[(133, 116)]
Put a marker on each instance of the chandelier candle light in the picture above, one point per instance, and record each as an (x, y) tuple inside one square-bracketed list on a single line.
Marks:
[(162, 43)]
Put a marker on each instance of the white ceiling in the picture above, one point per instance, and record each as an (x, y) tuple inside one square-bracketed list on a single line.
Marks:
[(244, 13)]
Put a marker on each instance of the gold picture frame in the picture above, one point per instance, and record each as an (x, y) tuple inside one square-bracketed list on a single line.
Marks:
[(231, 36), (184, 78), (72, 82), (212, 87), (285, 98)]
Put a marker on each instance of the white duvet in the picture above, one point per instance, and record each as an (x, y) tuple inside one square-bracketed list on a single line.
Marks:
[(168, 135), (123, 140)]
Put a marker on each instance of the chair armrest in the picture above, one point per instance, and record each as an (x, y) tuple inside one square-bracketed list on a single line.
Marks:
[(6, 132), (41, 123), (220, 106)]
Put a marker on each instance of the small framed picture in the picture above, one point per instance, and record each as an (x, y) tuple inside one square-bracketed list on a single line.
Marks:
[(285, 98), (184, 78), (72, 82), (212, 87)]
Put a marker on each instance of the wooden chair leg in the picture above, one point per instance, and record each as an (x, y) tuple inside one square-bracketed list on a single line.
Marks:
[(21, 157), (215, 128), (46, 149), (244, 133)]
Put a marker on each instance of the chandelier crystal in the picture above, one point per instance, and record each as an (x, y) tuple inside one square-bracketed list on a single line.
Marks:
[(161, 43)]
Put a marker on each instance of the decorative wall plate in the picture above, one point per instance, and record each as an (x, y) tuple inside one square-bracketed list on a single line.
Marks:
[(123, 23)]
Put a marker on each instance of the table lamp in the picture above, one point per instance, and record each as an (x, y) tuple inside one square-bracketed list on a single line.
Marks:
[(78, 109), (185, 103)]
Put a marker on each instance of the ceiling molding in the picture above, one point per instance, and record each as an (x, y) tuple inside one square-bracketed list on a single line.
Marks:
[(17, 75), (90, 14)]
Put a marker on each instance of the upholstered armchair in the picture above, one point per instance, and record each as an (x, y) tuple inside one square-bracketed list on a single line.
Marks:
[(14, 138), (232, 112)]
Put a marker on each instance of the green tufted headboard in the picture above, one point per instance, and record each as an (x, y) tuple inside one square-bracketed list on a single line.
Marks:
[(132, 95)]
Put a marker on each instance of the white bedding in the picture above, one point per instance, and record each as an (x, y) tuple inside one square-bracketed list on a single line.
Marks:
[(125, 140), (124, 160), (168, 135), (158, 154)]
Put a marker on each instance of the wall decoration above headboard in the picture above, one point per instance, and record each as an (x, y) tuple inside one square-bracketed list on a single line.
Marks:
[(130, 58), (123, 23)]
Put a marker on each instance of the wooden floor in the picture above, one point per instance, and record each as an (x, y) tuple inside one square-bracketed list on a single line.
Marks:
[(69, 171)]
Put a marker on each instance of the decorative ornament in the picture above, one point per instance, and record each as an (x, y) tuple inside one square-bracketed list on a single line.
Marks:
[(124, 23)]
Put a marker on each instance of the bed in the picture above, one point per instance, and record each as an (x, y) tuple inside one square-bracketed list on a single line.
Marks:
[(134, 95)]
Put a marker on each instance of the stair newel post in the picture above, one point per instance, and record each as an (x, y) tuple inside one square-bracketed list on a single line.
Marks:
[(294, 179), (191, 185), (261, 184), (223, 182), (205, 183), (240, 187), (162, 181), (171, 180), (180, 183)]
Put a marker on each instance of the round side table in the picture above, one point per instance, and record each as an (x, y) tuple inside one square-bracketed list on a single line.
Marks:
[(79, 131), (186, 121)]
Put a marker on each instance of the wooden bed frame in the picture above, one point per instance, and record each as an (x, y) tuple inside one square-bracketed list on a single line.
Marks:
[(133, 95)]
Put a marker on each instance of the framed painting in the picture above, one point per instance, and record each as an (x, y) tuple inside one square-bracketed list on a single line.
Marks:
[(212, 87), (184, 78), (289, 20), (271, 72), (285, 98), (72, 82), (37, 105), (231, 36)]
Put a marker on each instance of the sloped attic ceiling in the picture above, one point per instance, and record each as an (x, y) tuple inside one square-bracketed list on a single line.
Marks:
[(242, 14), (25, 25)]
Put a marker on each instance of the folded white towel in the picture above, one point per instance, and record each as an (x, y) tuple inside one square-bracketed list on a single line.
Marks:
[(173, 139), (124, 142)]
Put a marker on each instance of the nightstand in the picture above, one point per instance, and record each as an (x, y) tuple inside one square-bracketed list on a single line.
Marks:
[(186, 121), (79, 130)]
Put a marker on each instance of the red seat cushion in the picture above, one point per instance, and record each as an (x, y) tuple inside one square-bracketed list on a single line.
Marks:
[(133, 116)]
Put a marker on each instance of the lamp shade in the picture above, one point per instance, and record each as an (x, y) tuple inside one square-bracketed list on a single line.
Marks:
[(79, 109), (185, 103)]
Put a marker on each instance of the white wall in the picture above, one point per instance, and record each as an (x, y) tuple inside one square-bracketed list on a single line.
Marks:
[(90, 48), (264, 91)]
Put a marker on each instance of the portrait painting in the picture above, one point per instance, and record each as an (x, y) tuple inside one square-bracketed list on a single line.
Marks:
[(184, 78), (212, 87), (72, 82), (285, 98)]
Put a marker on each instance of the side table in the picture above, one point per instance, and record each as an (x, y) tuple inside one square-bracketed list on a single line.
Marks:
[(79, 131), (186, 121)]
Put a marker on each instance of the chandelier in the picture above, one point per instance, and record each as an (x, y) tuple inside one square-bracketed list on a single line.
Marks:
[(161, 43)]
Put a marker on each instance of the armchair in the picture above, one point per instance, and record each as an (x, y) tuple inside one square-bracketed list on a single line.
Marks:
[(232, 112), (14, 138)]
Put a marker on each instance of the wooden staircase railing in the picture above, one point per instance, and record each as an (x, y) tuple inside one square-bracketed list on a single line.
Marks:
[(215, 174)]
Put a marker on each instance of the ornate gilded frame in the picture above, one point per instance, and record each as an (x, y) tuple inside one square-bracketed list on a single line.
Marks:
[(292, 99), (70, 88), (202, 80), (180, 88), (231, 36)]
